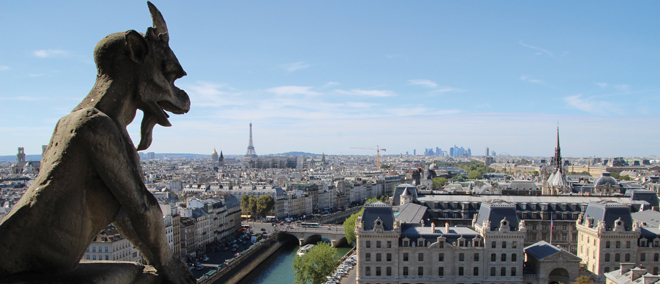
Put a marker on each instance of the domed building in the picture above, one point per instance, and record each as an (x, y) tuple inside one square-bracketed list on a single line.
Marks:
[(214, 156), (606, 184)]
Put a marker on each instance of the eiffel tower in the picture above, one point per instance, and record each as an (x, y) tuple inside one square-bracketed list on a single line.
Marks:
[(250, 151)]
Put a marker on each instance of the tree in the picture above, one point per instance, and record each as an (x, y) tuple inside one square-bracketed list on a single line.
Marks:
[(583, 280), (439, 182), (315, 265), (475, 174), (264, 204), (626, 177), (252, 207), (245, 203), (384, 166)]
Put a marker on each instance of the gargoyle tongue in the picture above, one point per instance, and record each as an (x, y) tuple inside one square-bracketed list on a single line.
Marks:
[(146, 130)]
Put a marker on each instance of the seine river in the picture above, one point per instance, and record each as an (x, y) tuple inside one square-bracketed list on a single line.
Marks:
[(277, 268)]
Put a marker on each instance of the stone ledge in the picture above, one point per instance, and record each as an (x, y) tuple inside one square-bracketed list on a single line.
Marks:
[(92, 272)]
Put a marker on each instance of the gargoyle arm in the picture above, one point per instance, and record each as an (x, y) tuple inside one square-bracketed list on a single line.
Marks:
[(109, 154)]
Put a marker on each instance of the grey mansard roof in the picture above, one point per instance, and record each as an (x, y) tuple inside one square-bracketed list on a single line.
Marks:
[(495, 211), (608, 212), (541, 250), (375, 210), (411, 213)]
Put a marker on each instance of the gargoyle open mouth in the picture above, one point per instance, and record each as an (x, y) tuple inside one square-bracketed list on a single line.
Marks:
[(155, 113)]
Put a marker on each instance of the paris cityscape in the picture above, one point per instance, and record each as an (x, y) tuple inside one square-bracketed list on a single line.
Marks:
[(327, 143)]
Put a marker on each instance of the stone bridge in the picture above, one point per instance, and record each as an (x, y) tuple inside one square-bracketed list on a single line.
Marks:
[(334, 233)]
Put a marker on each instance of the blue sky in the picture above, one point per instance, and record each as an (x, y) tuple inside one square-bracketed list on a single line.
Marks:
[(325, 76)]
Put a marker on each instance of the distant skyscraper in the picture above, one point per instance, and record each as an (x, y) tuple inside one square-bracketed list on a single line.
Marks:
[(487, 152), (250, 150), (414, 152)]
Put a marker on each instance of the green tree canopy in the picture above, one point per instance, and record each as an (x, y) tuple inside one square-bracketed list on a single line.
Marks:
[(583, 280), (474, 174), (252, 207), (349, 228), (315, 265), (245, 203), (439, 182), (264, 204)]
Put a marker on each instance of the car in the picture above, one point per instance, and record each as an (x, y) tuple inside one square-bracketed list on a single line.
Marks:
[(263, 229)]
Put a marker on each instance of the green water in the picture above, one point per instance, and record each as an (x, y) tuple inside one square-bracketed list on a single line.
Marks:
[(277, 268)]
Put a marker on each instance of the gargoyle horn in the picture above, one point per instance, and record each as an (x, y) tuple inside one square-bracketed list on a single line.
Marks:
[(158, 21)]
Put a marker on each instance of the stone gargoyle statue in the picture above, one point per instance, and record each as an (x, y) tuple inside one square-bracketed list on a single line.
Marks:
[(91, 174)]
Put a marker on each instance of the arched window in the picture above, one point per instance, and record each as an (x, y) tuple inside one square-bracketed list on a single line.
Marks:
[(503, 244), (492, 271), (461, 257), (504, 257), (460, 271), (493, 257), (513, 271), (514, 244), (514, 257), (503, 271), (607, 244), (627, 258), (476, 257), (493, 244), (617, 257), (475, 271), (378, 244), (618, 244), (607, 257)]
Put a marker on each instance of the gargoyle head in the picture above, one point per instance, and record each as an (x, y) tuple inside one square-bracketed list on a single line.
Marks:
[(147, 68)]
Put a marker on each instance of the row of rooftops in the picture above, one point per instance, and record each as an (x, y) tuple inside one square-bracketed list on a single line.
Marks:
[(496, 213)]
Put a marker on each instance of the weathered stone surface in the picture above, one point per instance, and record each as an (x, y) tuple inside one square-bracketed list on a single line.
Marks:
[(91, 175), (97, 272)]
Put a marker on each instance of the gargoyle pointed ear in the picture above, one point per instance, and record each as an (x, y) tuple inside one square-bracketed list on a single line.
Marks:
[(137, 46)]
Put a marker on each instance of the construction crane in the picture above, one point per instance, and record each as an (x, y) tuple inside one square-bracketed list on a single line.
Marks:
[(378, 149)]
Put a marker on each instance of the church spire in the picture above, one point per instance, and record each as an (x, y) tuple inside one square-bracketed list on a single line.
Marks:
[(557, 160)]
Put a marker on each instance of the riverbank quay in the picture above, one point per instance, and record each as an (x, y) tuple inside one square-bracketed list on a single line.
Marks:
[(242, 265)]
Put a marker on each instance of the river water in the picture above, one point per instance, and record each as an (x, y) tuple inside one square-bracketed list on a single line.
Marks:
[(277, 269)]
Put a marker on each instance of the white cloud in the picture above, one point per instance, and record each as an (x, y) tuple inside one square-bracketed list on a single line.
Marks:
[(295, 66), (592, 106), (602, 85), (531, 80), (45, 53), (3, 68), (445, 89), (368, 93), (622, 87), (293, 90), (359, 104), (208, 94), (328, 84), (541, 50), (423, 82)]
